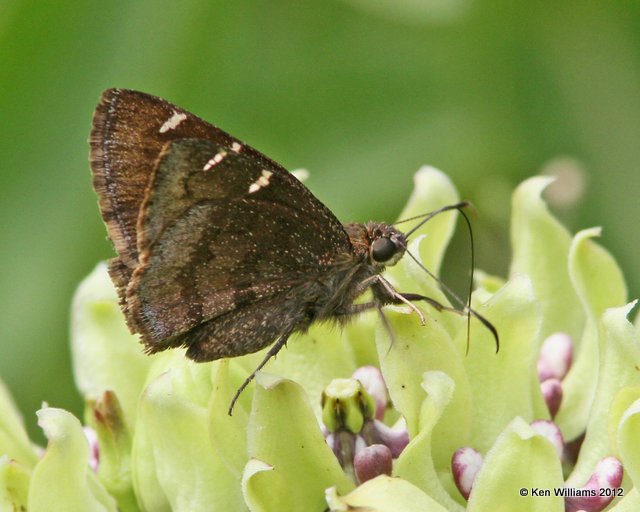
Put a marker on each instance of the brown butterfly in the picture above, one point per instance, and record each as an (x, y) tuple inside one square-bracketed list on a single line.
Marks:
[(220, 249)]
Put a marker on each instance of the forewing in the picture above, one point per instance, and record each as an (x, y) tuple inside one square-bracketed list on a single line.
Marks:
[(129, 130), (219, 232)]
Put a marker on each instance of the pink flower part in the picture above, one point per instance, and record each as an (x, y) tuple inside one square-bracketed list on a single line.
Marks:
[(465, 463), (371, 379), (396, 438), (599, 490), (331, 441), (94, 447), (552, 394), (556, 356), (371, 462), (551, 431)]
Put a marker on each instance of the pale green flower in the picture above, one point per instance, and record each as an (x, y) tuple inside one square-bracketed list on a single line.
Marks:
[(477, 421)]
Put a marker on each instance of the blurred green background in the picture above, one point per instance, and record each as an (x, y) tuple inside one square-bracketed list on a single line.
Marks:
[(360, 92)]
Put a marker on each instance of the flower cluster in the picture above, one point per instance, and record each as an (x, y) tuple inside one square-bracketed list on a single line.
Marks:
[(350, 418)]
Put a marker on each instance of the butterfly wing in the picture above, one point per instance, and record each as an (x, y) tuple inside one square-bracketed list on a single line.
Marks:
[(213, 238), (129, 130), (216, 240)]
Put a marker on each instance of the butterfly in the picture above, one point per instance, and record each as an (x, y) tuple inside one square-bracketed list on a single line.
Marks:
[(220, 249)]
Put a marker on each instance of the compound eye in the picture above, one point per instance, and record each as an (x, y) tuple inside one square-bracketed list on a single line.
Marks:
[(383, 249)]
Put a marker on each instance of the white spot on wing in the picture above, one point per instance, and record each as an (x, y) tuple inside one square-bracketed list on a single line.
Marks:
[(236, 147), (215, 160), (261, 182), (173, 121)]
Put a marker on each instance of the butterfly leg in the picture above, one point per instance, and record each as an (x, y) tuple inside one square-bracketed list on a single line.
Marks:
[(282, 341), (387, 294), (384, 293), (441, 307), (394, 297)]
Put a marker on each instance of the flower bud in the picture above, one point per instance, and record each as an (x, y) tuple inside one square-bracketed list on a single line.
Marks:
[(372, 461), (371, 379), (346, 405), (465, 463), (552, 394), (607, 475), (556, 357)]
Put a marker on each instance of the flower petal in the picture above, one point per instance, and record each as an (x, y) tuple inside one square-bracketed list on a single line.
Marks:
[(619, 362), (627, 440), (106, 356), (551, 432), (416, 463), (360, 335), (383, 494), (284, 434), (62, 480), (600, 285), (114, 468), (146, 484), (14, 441), (540, 250), (504, 384), (432, 190), (519, 459), (623, 399), (174, 415), (595, 274), (14, 484), (415, 350), (228, 433), (253, 487), (629, 503), (312, 360), (148, 488)]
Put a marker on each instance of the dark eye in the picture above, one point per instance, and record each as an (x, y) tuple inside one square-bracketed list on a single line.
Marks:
[(383, 249)]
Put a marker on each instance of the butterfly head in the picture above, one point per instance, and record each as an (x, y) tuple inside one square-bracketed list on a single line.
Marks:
[(388, 244)]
